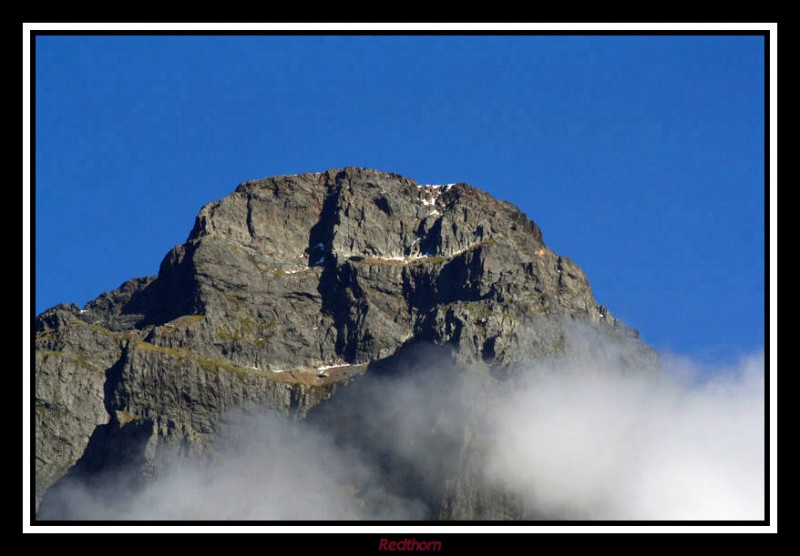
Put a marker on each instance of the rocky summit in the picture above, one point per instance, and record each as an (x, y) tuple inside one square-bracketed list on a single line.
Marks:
[(286, 295)]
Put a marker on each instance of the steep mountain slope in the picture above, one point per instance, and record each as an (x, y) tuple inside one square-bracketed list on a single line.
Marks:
[(284, 294)]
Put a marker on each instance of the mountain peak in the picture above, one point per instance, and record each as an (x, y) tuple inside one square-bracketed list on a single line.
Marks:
[(287, 289)]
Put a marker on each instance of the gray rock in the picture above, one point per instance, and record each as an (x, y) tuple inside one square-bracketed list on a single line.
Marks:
[(284, 292)]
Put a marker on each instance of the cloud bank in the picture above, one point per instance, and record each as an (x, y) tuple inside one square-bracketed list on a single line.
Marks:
[(592, 435), (585, 440)]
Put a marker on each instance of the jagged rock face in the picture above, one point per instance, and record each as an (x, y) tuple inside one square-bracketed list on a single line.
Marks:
[(283, 292)]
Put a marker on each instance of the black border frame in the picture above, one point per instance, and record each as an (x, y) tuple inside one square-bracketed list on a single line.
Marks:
[(459, 538)]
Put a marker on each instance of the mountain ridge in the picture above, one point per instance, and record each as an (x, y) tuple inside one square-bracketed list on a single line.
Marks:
[(285, 291)]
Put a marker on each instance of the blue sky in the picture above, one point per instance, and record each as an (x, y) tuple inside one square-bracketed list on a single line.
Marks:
[(641, 158)]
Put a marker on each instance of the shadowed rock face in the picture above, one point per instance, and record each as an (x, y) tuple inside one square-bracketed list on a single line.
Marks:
[(284, 292)]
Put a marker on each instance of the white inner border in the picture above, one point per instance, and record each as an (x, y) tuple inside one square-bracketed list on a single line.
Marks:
[(419, 27)]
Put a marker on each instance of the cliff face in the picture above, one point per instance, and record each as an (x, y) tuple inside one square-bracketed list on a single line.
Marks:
[(283, 295)]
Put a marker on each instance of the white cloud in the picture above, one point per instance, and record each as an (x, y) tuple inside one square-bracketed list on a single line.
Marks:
[(589, 436), (584, 439)]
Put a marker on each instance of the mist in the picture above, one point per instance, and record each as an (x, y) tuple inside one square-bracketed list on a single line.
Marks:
[(266, 468), (587, 441), (600, 433)]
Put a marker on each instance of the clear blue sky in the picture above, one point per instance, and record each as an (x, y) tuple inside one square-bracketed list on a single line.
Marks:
[(641, 158)]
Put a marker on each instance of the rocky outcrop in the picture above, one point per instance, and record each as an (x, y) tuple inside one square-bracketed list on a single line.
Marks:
[(284, 292)]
